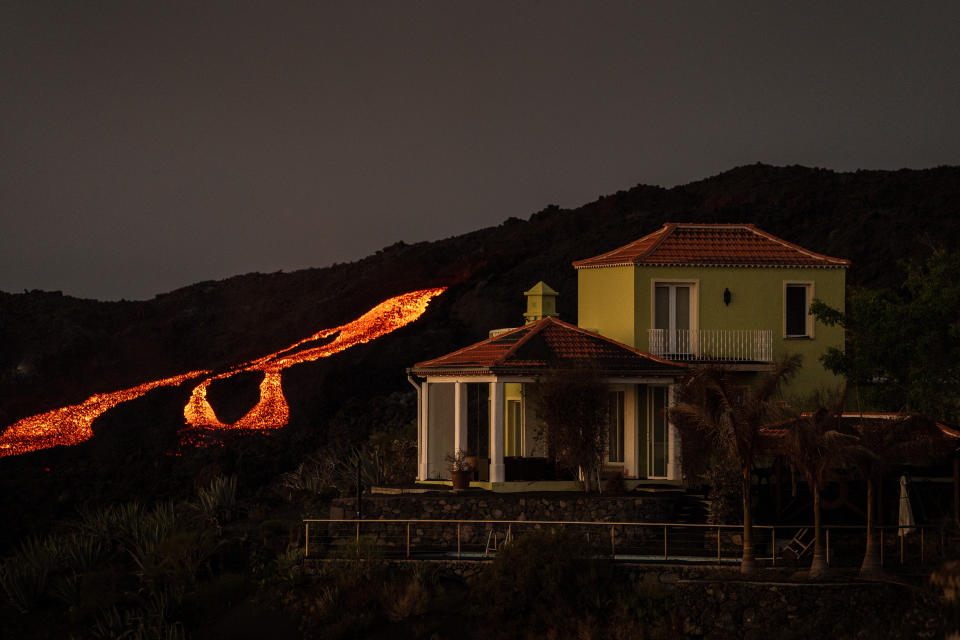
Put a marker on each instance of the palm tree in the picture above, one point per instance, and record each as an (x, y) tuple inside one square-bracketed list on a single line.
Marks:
[(814, 443), (878, 444), (731, 414)]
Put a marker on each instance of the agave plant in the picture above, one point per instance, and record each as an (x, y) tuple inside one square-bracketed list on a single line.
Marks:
[(217, 503), (308, 476), (114, 524), (24, 583), (25, 576), (66, 589), (111, 623), (83, 552), (147, 533)]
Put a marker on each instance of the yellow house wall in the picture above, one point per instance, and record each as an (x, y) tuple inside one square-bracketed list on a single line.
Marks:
[(757, 299), (605, 302), (757, 302)]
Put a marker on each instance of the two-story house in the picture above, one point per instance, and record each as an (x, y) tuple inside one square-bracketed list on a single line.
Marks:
[(686, 295), (727, 294)]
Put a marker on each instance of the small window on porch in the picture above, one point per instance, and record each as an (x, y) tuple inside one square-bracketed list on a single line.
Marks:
[(513, 442), (615, 425)]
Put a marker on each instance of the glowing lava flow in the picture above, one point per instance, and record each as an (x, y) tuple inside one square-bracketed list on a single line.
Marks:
[(272, 411), (73, 424)]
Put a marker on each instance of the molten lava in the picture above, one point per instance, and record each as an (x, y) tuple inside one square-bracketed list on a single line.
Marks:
[(272, 411), (72, 425)]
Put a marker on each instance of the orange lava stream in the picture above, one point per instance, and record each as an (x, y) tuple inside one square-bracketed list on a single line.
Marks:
[(74, 424), (272, 411)]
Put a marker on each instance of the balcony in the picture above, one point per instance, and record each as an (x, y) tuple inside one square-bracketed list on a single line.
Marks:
[(748, 346)]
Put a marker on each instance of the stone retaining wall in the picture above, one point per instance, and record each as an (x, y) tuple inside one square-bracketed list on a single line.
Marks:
[(713, 603), (494, 506)]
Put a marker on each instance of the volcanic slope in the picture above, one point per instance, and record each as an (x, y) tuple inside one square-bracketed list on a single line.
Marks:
[(56, 350)]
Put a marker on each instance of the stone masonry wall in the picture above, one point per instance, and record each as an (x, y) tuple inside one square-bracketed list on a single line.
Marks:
[(496, 506)]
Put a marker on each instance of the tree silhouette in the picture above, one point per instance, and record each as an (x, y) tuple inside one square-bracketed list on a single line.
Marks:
[(720, 406), (877, 445), (573, 405), (814, 443)]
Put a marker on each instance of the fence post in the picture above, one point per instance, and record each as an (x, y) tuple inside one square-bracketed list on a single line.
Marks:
[(458, 541), (408, 539), (358, 532), (306, 538), (664, 542), (828, 547), (773, 546), (613, 543)]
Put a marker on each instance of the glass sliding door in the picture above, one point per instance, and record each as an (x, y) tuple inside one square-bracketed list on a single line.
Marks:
[(615, 403), (671, 316), (658, 444)]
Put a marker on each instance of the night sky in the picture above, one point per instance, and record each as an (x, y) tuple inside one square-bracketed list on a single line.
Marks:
[(149, 145)]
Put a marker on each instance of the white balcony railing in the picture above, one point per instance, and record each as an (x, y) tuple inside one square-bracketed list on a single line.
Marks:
[(712, 345)]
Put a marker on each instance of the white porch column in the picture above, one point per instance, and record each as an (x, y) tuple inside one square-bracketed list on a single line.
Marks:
[(460, 416), (673, 460), (424, 420), (497, 472)]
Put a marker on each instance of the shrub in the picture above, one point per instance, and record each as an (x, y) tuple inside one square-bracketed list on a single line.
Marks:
[(547, 578), (406, 601)]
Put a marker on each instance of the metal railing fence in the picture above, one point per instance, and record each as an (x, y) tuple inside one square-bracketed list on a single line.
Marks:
[(623, 541), (724, 345)]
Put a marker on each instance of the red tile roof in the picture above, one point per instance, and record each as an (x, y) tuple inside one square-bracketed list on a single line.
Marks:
[(740, 245), (548, 344)]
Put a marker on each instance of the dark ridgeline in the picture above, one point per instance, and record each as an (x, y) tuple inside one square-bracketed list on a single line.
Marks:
[(57, 350)]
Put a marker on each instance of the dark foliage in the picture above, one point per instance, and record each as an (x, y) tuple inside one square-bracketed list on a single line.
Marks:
[(903, 350), (544, 580), (573, 405)]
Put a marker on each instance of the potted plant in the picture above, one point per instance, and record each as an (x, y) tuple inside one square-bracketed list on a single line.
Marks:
[(460, 470)]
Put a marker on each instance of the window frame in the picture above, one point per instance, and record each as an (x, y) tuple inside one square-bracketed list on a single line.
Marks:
[(808, 285), (667, 439), (621, 427), (518, 434), (694, 302)]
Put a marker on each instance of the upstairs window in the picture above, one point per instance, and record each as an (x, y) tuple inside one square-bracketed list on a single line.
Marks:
[(797, 320)]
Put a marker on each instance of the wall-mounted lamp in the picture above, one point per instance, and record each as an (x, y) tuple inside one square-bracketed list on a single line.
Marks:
[(727, 296)]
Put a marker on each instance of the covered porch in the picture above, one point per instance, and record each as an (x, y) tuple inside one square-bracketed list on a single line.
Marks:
[(483, 400)]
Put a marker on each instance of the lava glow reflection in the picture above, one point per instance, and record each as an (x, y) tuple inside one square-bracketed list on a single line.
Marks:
[(72, 425)]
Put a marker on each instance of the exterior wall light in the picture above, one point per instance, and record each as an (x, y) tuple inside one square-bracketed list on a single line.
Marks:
[(727, 296)]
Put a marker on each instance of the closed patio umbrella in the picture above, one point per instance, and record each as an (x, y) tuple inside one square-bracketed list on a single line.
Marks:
[(907, 522)]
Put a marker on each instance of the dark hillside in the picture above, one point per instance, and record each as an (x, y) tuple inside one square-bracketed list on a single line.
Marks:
[(57, 350)]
